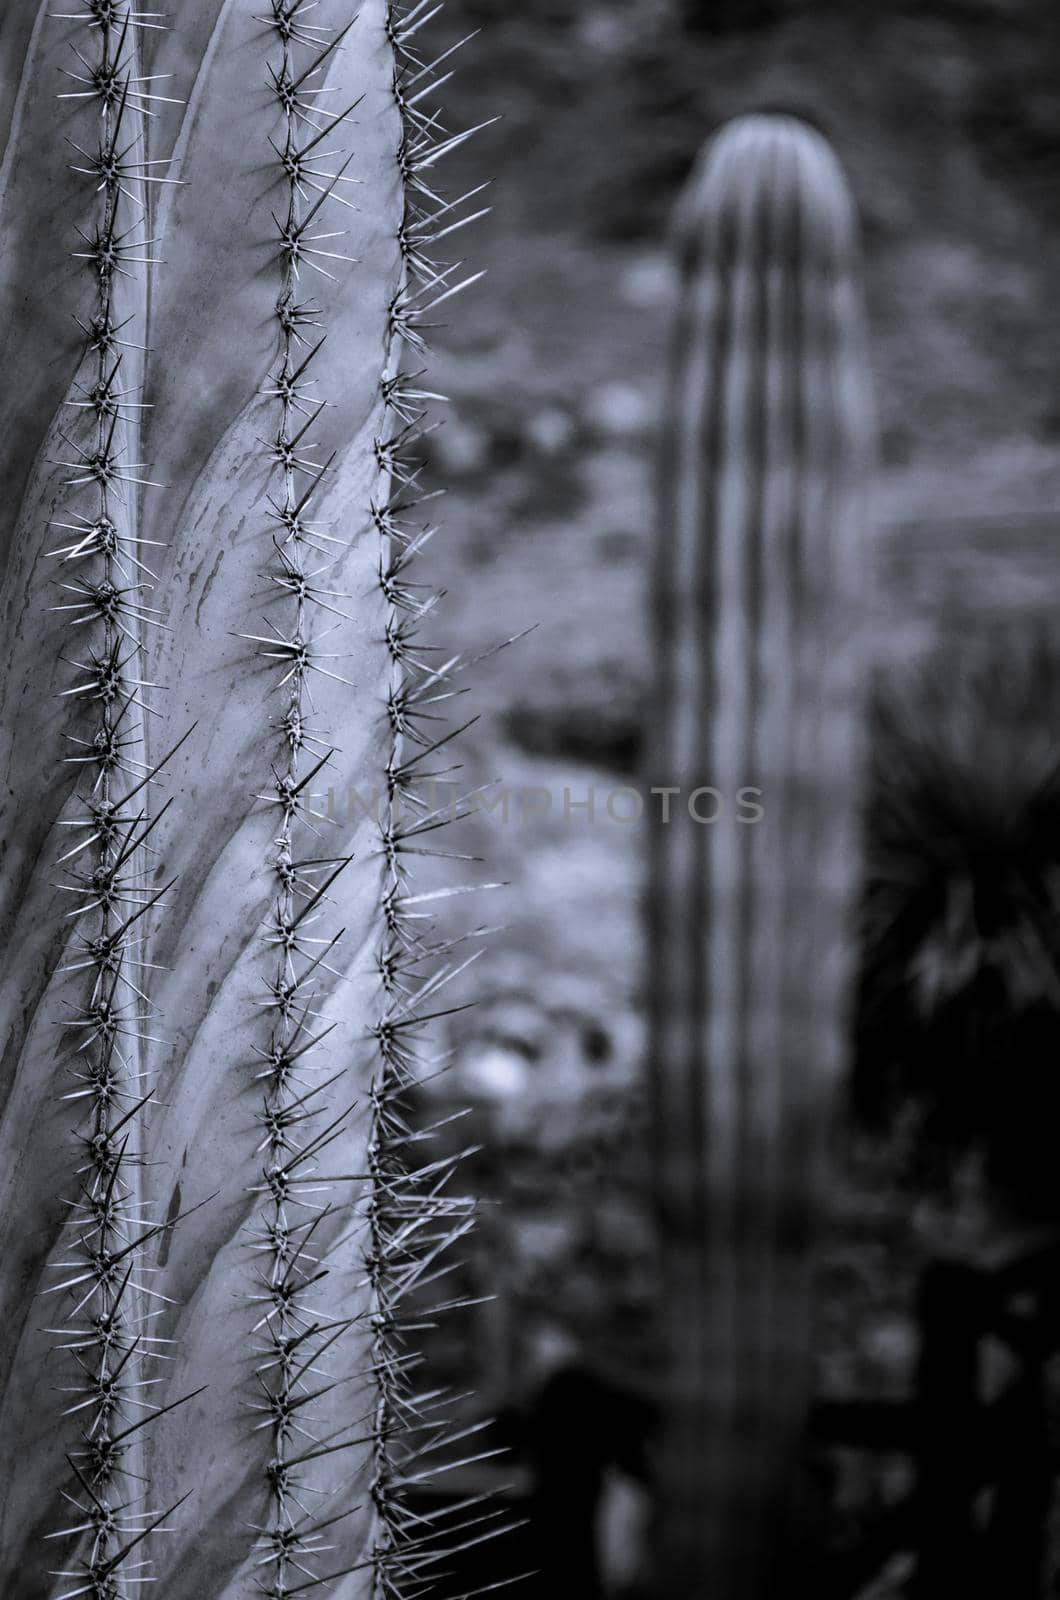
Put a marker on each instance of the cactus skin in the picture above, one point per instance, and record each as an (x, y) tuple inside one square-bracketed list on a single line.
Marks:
[(758, 585), (259, 1189)]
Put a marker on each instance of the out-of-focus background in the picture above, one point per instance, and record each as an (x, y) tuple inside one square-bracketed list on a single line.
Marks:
[(946, 116)]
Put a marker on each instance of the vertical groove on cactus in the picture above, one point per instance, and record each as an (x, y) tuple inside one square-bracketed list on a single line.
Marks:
[(759, 583), (104, 1278)]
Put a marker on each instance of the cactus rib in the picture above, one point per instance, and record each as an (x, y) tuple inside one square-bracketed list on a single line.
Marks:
[(413, 1218), (104, 1277), (297, 1124)]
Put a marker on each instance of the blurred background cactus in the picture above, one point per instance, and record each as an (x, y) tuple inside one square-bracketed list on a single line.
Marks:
[(946, 118), (762, 567)]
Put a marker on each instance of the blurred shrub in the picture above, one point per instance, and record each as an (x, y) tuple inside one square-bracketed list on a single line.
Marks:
[(959, 1001)]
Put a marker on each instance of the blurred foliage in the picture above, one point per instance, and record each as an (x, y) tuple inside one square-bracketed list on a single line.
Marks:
[(960, 991)]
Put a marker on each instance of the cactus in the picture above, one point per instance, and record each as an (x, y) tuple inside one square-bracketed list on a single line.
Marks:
[(219, 243), (759, 578)]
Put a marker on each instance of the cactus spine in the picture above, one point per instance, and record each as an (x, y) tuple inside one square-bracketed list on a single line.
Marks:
[(767, 446), (213, 1196)]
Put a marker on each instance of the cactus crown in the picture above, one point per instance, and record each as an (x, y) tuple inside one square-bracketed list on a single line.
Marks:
[(768, 188)]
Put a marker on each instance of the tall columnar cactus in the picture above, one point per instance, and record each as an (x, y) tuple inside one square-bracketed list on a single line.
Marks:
[(218, 243), (760, 572)]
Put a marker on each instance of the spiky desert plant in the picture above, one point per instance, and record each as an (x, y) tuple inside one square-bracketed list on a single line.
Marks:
[(761, 564), (958, 1015), (218, 244)]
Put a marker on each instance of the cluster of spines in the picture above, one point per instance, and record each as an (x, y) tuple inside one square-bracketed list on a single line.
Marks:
[(103, 592), (409, 1217), (298, 1125), (413, 1219)]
